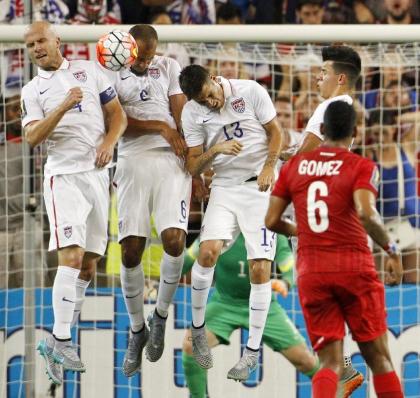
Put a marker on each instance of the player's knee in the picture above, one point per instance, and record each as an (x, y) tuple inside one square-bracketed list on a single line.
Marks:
[(187, 344), (71, 257), (130, 257), (173, 241), (208, 256), (87, 274)]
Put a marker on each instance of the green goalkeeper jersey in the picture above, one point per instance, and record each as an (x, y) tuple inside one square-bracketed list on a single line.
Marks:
[(232, 271)]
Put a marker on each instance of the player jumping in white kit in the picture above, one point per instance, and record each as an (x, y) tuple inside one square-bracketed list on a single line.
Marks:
[(65, 105), (231, 126)]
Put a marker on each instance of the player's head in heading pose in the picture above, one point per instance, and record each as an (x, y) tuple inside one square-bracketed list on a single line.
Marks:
[(340, 71), (147, 40), (198, 85), (339, 131), (43, 45)]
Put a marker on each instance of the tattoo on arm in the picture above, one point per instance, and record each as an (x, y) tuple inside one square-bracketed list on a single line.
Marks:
[(375, 228), (202, 162), (271, 160)]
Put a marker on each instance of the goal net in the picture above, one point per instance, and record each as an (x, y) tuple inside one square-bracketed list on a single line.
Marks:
[(388, 132)]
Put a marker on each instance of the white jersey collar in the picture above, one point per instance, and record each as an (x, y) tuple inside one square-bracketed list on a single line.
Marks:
[(227, 88), (46, 74)]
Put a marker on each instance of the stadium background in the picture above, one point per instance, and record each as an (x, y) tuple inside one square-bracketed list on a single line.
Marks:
[(286, 61)]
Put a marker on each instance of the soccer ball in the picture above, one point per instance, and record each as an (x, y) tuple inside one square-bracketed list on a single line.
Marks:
[(116, 50)]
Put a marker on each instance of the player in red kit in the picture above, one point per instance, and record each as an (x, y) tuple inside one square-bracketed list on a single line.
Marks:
[(334, 194)]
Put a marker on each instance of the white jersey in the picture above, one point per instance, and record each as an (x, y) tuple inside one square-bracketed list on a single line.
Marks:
[(314, 123), (247, 108), (72, 145), (147, 98)]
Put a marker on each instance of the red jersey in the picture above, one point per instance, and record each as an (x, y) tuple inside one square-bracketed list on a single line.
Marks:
[(320, 184)]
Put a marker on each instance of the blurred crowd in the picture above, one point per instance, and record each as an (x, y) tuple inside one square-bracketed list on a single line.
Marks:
[(387, 101), (215, 11)]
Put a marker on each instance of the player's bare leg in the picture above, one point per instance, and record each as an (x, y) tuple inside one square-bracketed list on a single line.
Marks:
[(173, 240), (259, 304), (325, 381), (201, 280), (132, 283), (377, 356)]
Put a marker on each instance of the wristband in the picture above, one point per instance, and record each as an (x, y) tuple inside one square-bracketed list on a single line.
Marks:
[(391, 248)]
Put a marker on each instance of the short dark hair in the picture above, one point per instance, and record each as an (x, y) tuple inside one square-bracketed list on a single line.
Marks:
[(302, 3), (339, 120), (145, 33), (345, 60), (192, 79), (228, 11)]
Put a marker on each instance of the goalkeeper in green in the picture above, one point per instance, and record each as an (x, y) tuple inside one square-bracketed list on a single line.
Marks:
[(227, 311)]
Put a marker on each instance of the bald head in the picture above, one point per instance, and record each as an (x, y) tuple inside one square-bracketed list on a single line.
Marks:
[(43, 45), (147, 39), (40, 26)]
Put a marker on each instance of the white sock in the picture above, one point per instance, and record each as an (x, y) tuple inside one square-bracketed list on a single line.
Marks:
[(64, 300), (259, 304), (132, 284), (170, 272), (201, 279), (81, 286)]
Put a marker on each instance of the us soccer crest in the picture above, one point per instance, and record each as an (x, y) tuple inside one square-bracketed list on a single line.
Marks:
[(81, 76), (68, 231), (238, 105), (154, 73)]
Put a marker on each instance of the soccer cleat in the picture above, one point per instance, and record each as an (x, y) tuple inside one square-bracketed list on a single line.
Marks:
[(349, 382), (247, 363), (156, 343), (200, 346), (53, 369), (132, 357), (65, 353)]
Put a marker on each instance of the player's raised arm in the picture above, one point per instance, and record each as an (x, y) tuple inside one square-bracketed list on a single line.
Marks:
[(365, 201)]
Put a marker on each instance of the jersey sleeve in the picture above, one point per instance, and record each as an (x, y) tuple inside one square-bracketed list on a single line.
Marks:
[(193, 132), (30, 105), (263, 106), (106, 90), (316, 120), (367, 176), (281, 189), (173, 72)]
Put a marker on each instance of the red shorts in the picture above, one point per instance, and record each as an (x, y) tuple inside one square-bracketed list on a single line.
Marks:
[(330, 299)]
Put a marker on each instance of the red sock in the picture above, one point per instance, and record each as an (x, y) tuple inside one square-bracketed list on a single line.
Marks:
[(324, 384), (387, 385)]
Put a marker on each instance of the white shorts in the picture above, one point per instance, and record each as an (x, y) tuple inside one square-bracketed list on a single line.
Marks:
[(240, 208), (154, 182), (77, 207)]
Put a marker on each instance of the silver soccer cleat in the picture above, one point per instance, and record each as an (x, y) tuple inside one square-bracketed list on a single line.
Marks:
[(156, 343), (247, 363), (201, 350), (54, 371), (132, 357), (65, 353)]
